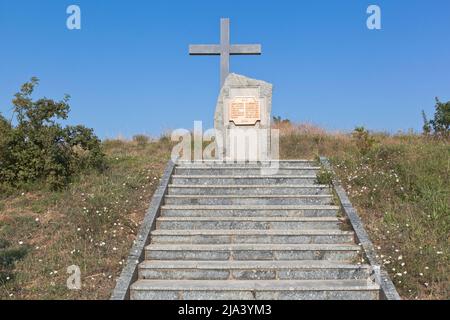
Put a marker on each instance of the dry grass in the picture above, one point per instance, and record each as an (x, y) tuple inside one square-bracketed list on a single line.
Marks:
[(400, 187), (91, 224)]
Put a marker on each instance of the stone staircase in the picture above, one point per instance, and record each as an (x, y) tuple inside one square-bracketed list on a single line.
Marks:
[(228, 232)]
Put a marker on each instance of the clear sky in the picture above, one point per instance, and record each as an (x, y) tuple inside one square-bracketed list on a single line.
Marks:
[(128, 69)]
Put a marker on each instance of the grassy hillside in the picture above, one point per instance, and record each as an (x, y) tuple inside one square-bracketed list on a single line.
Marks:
[(91, 224), (399, 184)]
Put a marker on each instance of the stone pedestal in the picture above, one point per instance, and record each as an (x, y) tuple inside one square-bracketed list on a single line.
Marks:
[(242, 120)]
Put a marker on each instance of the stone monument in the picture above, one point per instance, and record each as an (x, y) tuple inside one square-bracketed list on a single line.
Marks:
[(242, 119)]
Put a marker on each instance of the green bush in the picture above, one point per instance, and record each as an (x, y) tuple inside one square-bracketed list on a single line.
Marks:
[(279, 120), (325, 177), (37, 148), (363, 140), (165, 139), (440, 125)]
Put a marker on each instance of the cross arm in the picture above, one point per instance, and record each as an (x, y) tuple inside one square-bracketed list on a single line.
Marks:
[(245, 49), (204, 50)]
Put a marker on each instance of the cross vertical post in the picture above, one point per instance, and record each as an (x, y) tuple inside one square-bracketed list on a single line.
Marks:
[(225, 50)]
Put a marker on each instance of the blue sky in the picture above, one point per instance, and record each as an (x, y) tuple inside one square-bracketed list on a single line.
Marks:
[(128, 69)]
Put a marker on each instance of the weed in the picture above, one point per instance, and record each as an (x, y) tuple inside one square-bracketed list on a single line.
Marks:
[(325, 177), (141, 140)]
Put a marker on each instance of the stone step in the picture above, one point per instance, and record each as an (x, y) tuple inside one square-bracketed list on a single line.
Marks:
[(257, 223), (340, 252), (247, 200), (248, 190), (247, 180), (281, 164), (252, 270), (252, 236), (245, 171), (254, 289), (249, 211)]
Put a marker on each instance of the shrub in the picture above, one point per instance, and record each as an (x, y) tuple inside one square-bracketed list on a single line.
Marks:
[(325, 177), (440, 125), (38, 148), (363, 140), (278, 120), (426, 124), (141, 140), (165, 139)]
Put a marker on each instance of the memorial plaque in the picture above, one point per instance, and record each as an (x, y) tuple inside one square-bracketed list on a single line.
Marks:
[(244, 111)]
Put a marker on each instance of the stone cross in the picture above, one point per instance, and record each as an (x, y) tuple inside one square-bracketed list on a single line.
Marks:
[(224, 49)]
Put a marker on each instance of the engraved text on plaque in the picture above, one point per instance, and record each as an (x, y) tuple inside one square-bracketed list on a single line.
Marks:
[(244, 110)]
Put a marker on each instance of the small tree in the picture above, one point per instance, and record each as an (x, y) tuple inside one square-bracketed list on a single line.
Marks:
[(39, 148), (363, 140), (426, 124), (278, 120), (440, 125)]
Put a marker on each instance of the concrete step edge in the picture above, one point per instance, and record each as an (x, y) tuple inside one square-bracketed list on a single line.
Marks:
[(250, 207), (260, 285), (243, 177), (259, 264), (289, 232), (252, 247), (250, 219), (307, 196), (244, 168), (249, 162), (246, 186)]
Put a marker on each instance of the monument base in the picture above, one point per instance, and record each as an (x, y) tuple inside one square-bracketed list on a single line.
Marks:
[(243, 119)]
